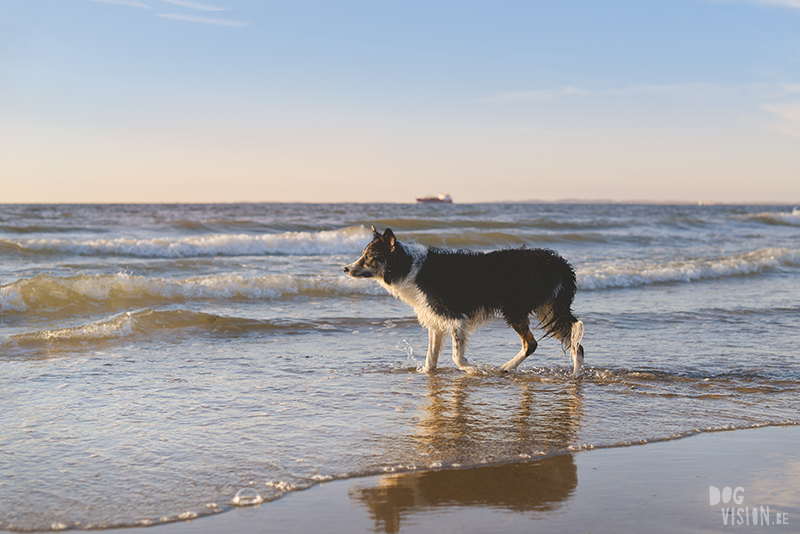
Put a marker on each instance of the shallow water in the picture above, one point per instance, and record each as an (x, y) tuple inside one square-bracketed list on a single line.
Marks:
[(158, 360)]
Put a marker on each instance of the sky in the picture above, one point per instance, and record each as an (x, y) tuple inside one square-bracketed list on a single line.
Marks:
[(384, 101)]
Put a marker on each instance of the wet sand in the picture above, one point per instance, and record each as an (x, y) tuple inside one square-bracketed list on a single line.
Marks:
[(657, 487)]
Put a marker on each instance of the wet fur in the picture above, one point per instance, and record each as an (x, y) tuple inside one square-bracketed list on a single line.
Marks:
[(454, 292)]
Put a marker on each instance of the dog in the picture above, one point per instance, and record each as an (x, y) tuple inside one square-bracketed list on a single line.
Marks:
[(455, 291)]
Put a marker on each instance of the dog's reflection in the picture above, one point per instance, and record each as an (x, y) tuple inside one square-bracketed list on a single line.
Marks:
[(466, 419), (532, 486), (494, 420)]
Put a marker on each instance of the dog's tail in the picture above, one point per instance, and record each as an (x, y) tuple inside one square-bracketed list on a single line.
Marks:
[(557, 319)]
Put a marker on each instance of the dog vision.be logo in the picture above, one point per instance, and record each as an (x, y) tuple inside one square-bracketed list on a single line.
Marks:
[(742, 515)]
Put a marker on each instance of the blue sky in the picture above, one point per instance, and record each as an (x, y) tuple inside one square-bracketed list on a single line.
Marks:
[(239, 100)]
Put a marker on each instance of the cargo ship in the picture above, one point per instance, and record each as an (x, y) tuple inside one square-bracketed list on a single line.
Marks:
[(440, 199)]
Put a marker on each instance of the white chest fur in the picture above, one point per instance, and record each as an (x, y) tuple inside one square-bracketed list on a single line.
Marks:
[(409, 292)]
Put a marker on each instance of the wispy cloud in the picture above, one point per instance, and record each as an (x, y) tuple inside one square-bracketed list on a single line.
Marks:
[(791, 115), (195, 5), (792, 4), (183, 16), (780, 3), (204, 20), (129, 3), (787, 111)]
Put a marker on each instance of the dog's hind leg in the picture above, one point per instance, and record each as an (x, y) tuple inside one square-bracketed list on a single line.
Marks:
[(528, 345), (575, 347), (434, 346), (459, 348)]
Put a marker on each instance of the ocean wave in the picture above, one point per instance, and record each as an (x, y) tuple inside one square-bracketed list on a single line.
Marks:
[(622, 275), (493, 240), (46, 293), (405, 224), (777, 218), (148, 322), (122, 290), (345, 241), (129, 324)]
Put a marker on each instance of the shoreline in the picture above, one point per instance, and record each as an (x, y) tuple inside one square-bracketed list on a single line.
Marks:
[(661, 486)]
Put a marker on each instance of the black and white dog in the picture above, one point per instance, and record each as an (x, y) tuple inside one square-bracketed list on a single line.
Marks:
[(456, 291)]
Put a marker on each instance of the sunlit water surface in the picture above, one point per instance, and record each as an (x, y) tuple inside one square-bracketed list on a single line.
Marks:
[(168, 362)]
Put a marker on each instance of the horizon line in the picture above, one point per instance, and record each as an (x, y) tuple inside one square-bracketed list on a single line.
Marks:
[(529, 201)]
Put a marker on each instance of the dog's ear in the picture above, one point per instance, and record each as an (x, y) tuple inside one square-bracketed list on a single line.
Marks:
[(388, 237), (375, 234)]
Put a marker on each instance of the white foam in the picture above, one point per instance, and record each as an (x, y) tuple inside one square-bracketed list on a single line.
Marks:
[(781, 218), (46, 291), (117, 327), (11, 300), (620, 275), (346, 241)]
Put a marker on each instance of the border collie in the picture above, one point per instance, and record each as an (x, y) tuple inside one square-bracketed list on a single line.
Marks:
[(456, 291)]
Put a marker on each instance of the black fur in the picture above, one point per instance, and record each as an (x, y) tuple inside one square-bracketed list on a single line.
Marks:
[(453, 291), (512, 282)]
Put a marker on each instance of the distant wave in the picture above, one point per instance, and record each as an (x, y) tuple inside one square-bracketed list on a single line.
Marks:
[(777, 218), (407, 224), (344, 241), (122, 290), (347, 241), (626, 275)]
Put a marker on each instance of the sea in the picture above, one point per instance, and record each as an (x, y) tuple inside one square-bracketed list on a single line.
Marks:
[(167, 362)]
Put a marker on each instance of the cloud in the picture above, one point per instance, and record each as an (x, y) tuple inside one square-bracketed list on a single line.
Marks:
[(204, 20), (129, 3), (790, 113), (781, 3), (195, 5), (793, 4)]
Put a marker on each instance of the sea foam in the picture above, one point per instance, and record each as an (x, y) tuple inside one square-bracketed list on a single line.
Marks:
[(622, 275), (345, 241), (779, 218), (52, 293)]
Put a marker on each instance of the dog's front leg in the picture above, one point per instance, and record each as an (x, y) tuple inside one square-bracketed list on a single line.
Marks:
[(434, 346)]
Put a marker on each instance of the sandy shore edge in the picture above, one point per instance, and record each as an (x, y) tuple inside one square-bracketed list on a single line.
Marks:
[(658, 487)]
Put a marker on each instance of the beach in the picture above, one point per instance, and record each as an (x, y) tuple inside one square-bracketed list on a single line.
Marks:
[(658, 487)]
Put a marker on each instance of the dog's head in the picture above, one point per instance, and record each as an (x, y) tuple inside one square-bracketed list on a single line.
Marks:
[(374, 261)]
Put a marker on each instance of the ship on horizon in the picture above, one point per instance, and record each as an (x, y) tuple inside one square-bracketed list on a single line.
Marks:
[(439, 199)]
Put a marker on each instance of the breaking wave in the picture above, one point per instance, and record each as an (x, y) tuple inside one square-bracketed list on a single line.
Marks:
[(50, 293), (777, 218), (122, 290), (344, 241), (145, 323), (126, 324), (627, 275)]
